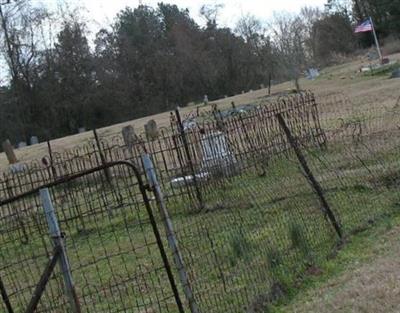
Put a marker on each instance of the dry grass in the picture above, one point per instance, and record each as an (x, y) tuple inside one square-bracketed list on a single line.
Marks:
[(364, 92), (369, 283)]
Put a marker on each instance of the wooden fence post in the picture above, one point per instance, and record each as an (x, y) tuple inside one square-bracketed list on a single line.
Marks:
[(172, 240), (57, 237)]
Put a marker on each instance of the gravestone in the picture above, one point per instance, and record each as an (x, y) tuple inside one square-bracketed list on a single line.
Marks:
[(217, 158), (34, 140), (9, 151), (151, 130), (129, 136), (205, 101), (312, 73), (396, 73), (81, 130), (22, 144)]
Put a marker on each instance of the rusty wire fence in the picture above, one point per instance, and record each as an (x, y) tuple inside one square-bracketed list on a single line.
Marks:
[(243, 209)]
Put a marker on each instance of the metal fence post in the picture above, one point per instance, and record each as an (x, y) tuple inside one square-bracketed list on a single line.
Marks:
[(5, 298), (172, 240), (103, 159), (311, 178), (57, 237), (189, 158)]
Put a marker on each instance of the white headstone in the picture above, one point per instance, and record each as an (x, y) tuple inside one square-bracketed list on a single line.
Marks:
[(205, 100), (217, 156), (22, 144), (34, 140)]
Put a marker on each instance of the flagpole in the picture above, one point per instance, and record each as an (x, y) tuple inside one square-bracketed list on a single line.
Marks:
[(378, 47)]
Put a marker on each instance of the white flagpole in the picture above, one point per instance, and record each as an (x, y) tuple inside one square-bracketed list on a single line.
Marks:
[(378, 47)]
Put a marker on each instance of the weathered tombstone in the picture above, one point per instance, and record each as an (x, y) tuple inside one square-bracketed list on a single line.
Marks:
[(22, 144), (262, 86), (81, 130), (217, 158), (151, 130), (34, 140), (205, 101), (129, 136), (396, 73), (9, 151), (312, 73)]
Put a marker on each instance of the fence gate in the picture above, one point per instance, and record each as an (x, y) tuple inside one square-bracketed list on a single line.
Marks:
[(95, 248)]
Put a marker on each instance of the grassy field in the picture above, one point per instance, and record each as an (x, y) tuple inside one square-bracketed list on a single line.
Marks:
[(254, 241), (365, 92)]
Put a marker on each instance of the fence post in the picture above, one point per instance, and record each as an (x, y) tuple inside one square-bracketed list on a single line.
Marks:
[(311, 178), (53, 169), (57, 237), (172, 240), (189, 158), (5, 298), (107, 172)]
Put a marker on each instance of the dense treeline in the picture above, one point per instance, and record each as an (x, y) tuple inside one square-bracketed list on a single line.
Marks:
[(153, 59)]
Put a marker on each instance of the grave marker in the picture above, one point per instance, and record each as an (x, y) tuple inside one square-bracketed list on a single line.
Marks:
[(151, 130), (129, 136), (9, 151), (34, 140)]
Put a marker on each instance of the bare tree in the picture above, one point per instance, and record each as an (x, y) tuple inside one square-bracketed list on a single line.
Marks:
[(289, 35)]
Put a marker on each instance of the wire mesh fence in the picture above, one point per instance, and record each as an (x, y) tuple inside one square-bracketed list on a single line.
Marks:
[(248, 210)]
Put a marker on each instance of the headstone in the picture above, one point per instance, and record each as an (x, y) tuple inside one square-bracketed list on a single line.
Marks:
[(129, 136), (9, 151), (22, 144), (312, 73), (151, 130), (205, 100), (372, 55), (81, 130), (17, 168), (396, 73), (34, 140), (262, 86), (217, 158)]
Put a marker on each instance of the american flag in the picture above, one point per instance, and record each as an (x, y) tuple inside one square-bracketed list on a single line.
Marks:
[(364, 27)]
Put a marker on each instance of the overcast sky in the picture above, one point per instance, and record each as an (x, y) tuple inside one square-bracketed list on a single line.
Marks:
[(103, 11)]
